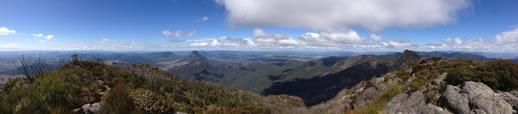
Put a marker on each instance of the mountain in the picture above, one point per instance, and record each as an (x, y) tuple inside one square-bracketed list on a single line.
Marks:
[(464, 55), (161, 55), (351, 61), (343, 75), (319, 89), (405, 59), (195, 56), (194, 67)]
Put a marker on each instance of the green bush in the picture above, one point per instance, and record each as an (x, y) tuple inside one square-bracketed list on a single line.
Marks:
[(497, 74), (119, 101), (148, 101)]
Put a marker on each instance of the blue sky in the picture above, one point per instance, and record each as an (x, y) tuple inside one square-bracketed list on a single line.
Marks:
[(460, 25)]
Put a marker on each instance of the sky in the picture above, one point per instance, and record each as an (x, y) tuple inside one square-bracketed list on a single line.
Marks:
[(348, 25)]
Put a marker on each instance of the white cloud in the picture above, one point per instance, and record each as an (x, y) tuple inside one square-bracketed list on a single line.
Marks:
[(223, 42), (45, 38), (454, 42), (508, 37), (344, 39), (326, 15), (49, 37), (474, 44), (205, 18), (37, 35), (332, 38), (5, 31), (265, 40), (508, 40), (398, 44), (376, 38), (504, 41), (201, 44), (106, 44), (178, 33)]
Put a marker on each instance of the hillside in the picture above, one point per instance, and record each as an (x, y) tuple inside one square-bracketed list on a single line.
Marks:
[(344, 75), (433, 85), (84, 86)]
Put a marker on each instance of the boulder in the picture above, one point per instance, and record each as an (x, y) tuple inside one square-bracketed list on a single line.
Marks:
[(89, 108), (509, 98), (475, 98), (455, 101), (180, 113), (411, 104)]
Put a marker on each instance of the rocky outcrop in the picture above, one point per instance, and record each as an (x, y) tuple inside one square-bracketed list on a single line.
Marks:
[(411, 104), (476, 98)]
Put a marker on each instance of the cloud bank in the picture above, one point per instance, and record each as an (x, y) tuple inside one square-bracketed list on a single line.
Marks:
[(350, 40), (331, 15)]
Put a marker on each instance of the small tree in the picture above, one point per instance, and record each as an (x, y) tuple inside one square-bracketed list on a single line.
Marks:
[(75, 59), (31, 68)]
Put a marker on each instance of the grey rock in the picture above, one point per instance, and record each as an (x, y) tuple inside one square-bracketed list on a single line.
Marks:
[(76, 110), (413, 104), (457, 102), (366, 96), (180, 113), (514, 92), (509, 98), (90, 108), (475, 98)]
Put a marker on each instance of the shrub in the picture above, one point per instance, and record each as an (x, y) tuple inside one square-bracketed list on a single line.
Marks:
[(148, 101), (118, 101), (497, 74), (374, 107)]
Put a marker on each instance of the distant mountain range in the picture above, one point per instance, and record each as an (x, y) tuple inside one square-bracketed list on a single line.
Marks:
[(473, 56)]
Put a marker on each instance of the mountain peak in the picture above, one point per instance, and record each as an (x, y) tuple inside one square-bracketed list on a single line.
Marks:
[(194, 56), (410, 54), (195, 53), (405, 59)]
